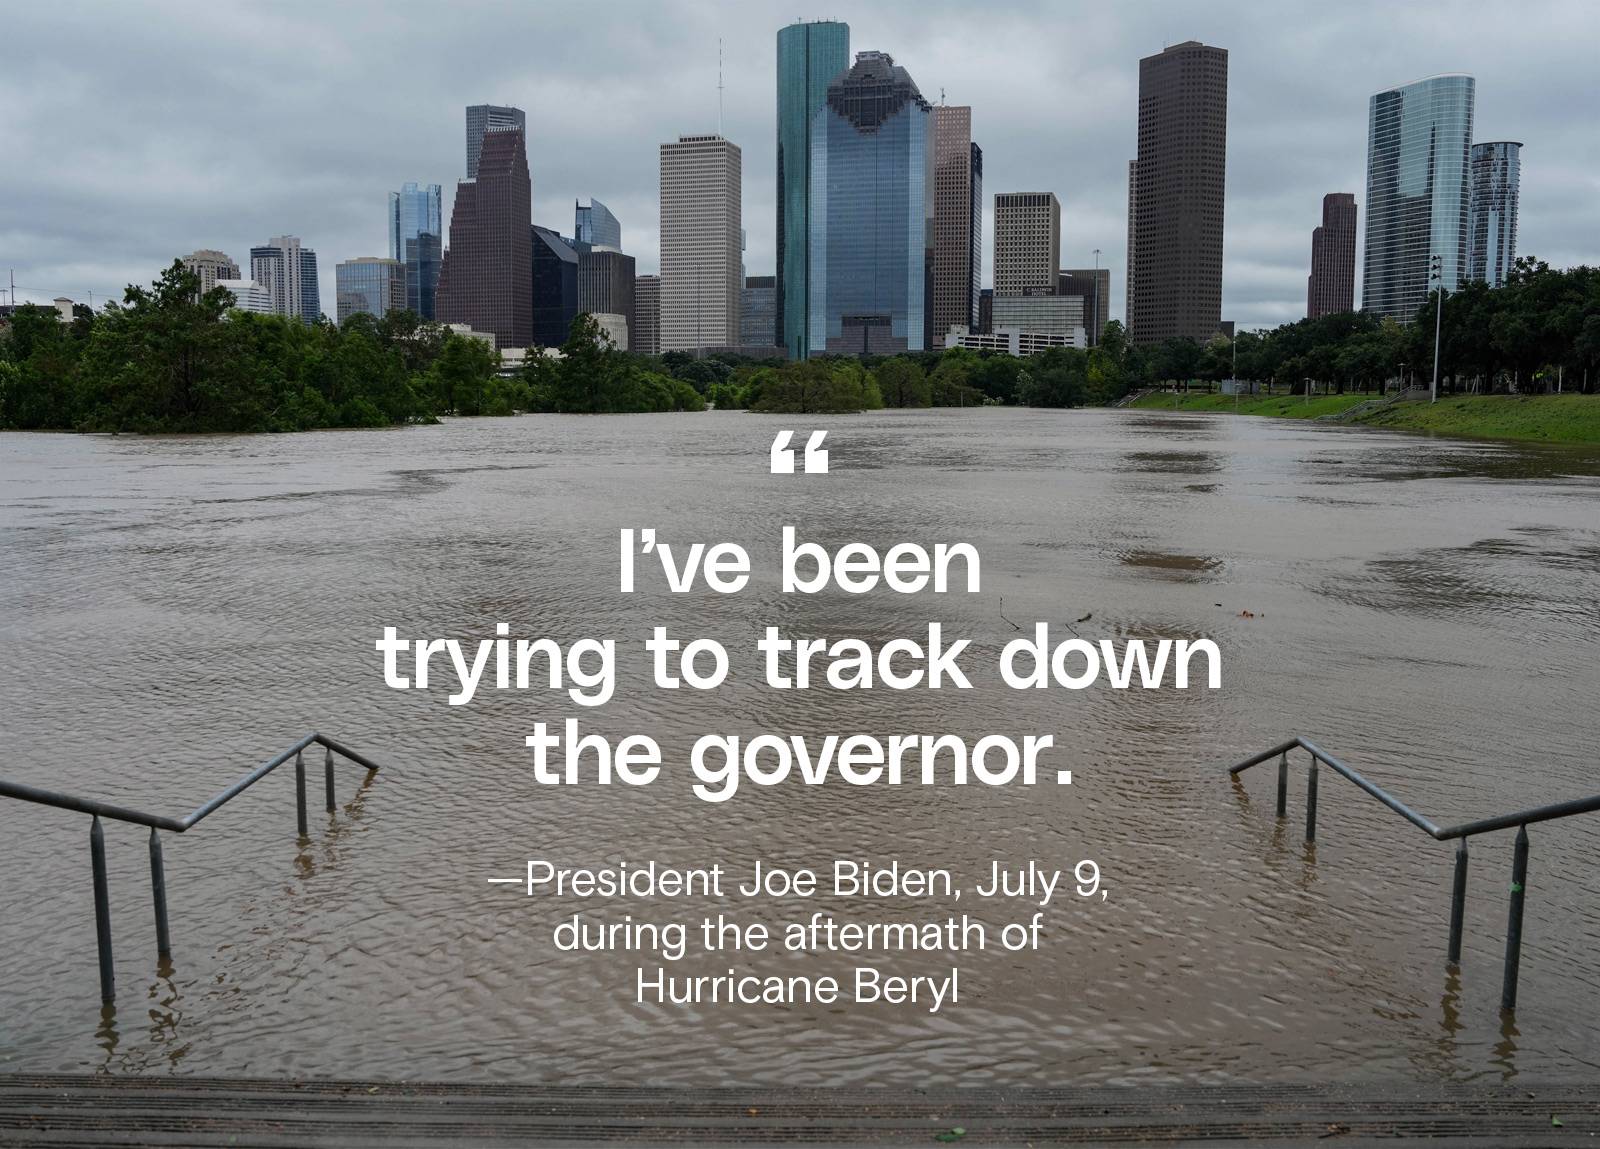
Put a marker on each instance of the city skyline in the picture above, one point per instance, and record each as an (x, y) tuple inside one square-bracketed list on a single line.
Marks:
[(112, 202)]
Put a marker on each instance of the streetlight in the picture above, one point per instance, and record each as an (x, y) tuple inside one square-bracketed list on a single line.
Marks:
[(1437, 275)]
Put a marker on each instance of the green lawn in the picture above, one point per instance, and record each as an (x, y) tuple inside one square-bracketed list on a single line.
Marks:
[(1545, 418), (1540, 418), (1280, 406)]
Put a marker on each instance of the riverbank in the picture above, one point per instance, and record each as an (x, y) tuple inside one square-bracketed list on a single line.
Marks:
[(1531, 418)]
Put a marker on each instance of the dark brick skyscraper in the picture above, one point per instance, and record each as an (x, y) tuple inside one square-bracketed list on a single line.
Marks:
[(1175, 203), (486, 279), (1331, 286)]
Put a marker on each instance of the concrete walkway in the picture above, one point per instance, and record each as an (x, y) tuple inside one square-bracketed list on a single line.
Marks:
[(193, 1111)]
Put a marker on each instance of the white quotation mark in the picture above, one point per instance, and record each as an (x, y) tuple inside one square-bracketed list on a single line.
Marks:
[(816, 459)]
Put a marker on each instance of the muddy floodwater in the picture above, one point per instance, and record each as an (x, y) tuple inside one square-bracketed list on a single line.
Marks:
[(173, 611)]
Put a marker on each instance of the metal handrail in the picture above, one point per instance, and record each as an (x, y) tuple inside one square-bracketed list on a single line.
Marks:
[(1521, 819), (158, 882)]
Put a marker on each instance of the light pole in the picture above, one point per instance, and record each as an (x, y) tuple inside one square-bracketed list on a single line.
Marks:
[(1437, 274)]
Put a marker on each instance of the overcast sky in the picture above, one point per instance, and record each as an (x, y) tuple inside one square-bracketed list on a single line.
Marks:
[(134, 132)]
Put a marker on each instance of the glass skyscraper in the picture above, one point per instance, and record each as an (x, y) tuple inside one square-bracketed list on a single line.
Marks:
[(810, 57), (1492, 211), (1418, 139), (872, 180), (596, 226), (483, 118), (369, 286), (415, 230)]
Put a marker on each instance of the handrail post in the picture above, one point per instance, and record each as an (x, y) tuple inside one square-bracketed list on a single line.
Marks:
[(158, 893), (1519, 888), (102, 912), (1458, 904), (1311, 801), (300, 789), (327, 779), (1283, 784)]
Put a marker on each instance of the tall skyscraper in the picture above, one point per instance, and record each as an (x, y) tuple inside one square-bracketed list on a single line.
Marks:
[(1331, 286), (1175, 281), (1492, 211), (871, 213), (957, 220), (485, 118), (701, 223), (1093, 286), (416, 239), (810, 57), (1418, 139), (288, 273), (596, 226), (605, 284), (644, 337), (369, 286), (210, 265), (486, 276), (758, 311), (555, 287), (1027, 243), (1133, 245)]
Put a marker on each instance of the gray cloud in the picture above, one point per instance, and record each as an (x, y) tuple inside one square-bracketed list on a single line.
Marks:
[(131, 134)]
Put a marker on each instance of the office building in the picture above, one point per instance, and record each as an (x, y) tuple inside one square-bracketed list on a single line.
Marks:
[(1027, 243), (1418, 144), (1176, 199), (957, 218), (248, 295), (485, 118), (986, 310), (369, 286), (209, 266), (613, 327), (555, 287), (810, 57), (288, 272), (416, 239), (605, 285), (1041, 314), (644, 337), (1133, 239), (871, 213), (758, 311), (486, 277), (1331, 286), (1093, 286), (595, 225), (701, 228), (1496, 174)]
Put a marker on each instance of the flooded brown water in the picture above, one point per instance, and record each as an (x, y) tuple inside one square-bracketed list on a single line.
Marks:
[(175, 610)]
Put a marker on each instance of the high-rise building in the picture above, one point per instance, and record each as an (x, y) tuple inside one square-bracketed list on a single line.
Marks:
[(700, 243), (595, 225), (210, 265), (1175, 281), (644, 337), (1041, 314), (1418, 142), (810, 57), (248, 295), (555, 287), (485, 118), (369, 286), (985, 310), (871, 213), (1331, 286), (1093, 286), (486, 276), (1492, 211), (1133, 244), (288, 272), (957, 219), (1027, 243), (605, 284), (758, 311), (416, 239)]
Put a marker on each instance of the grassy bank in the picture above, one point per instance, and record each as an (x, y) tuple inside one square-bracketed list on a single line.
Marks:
[(1278, 406), (1537, 418)]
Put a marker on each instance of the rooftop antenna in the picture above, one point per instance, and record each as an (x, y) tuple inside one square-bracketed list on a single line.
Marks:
[(941, 97), (719, 85)]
